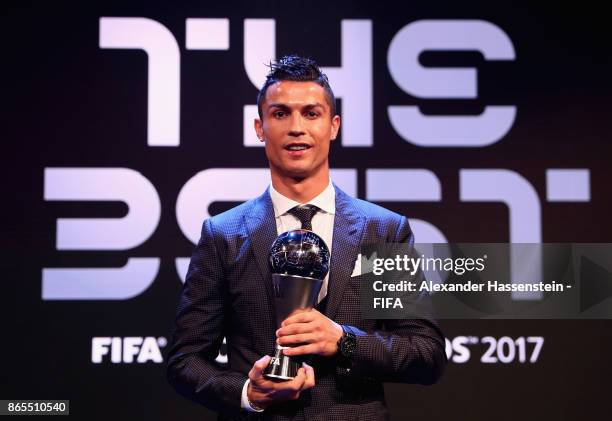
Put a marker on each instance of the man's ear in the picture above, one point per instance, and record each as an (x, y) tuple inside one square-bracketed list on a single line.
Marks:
[(259, 129), (335, 127)]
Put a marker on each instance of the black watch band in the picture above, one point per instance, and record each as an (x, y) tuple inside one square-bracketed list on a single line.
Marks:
[(347, 344)]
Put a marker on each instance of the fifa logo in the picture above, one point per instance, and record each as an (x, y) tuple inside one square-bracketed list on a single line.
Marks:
[(127, 350)]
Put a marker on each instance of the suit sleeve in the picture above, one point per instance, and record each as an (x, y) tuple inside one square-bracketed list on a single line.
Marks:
[(404, 350), (199, 331)]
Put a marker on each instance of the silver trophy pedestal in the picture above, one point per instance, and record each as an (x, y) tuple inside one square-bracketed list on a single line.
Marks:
[(281, 367), (291, 293)]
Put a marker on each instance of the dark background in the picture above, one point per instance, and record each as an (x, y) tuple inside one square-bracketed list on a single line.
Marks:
[(68, 103)]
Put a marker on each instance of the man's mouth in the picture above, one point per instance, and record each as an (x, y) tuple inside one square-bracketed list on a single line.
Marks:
[(295, 147)]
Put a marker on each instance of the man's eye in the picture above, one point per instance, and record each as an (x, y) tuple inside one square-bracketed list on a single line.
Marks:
[(312, 114), (278, 114)]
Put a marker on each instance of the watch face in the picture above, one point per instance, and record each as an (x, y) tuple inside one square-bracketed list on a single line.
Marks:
[(348, 345)]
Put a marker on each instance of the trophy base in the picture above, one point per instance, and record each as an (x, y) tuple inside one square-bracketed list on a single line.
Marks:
[(281, 367)]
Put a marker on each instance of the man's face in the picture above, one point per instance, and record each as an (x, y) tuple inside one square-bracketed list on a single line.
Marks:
[(297, 128)]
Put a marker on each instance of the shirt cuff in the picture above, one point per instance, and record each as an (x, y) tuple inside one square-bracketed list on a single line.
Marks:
[(244, 402)]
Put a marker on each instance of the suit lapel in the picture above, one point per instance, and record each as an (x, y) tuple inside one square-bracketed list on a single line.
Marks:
[(261, 228), (348, 231)]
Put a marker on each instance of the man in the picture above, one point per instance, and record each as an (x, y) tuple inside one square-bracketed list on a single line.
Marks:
[(228, 289)]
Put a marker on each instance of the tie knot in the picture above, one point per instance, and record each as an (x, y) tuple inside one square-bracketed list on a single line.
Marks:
[(304, 213)]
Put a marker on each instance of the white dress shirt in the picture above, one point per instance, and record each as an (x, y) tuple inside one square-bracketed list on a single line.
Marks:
[(322, 225), (322, 221)]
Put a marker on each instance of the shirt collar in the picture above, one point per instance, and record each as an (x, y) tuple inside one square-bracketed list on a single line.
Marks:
[(325, 201)]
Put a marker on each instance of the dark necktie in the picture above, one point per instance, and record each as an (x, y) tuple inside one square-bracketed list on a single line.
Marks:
[(304, 213)]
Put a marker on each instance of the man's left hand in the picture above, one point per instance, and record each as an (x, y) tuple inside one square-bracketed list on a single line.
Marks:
[(309, 332)]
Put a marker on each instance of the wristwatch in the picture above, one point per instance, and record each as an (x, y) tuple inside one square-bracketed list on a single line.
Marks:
[(347, 344)]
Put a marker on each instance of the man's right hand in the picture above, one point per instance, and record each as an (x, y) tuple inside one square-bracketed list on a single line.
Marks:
[(263, 392)]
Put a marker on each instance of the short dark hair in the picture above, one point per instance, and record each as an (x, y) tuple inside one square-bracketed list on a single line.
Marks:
[(297, 69)]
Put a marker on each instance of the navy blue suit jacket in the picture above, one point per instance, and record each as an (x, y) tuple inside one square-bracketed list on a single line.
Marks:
[(228, 293)]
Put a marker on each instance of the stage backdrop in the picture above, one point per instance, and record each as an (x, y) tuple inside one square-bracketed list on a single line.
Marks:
[(127, 124)]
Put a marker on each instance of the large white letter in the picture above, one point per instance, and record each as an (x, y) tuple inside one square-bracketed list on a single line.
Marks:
[(422, 82), (164, 84), (352, 82), (525, 216), (144, 211)]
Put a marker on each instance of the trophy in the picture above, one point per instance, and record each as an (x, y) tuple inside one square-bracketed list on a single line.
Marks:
[(299, 261)]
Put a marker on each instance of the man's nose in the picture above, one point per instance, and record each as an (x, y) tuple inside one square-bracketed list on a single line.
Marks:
[(297, 125)]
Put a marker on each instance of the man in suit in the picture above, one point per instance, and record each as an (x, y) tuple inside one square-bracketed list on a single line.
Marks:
[(228, 288)]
